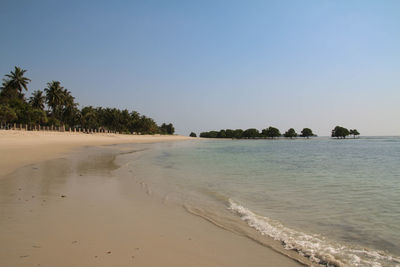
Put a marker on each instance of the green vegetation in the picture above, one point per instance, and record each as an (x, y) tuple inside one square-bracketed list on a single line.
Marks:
[(340, 132), (211, 134), (14, 83), (62, 109), (252, 133), (291, 133), (307, 133), (354, 133), (192, 134), (7, 113), (271, 132), (167, 129)]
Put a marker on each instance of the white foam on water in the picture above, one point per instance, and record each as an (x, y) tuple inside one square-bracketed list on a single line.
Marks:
[(317, 248)]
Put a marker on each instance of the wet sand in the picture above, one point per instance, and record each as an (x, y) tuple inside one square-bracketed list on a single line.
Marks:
[(18, 148), (79, 211)]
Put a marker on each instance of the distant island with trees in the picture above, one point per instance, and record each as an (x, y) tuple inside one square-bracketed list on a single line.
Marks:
[(55, 106), (252, 133), (273, 133), (341, 132)]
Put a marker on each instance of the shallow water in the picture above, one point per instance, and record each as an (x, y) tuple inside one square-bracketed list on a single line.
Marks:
[(334, 201)]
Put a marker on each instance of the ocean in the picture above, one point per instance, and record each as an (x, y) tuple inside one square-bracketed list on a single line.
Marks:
[(336, 202)]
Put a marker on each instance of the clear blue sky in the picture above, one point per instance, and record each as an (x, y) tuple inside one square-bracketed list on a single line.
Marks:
[(206, 65)]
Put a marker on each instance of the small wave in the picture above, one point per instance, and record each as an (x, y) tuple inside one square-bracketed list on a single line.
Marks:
[(315, 247)]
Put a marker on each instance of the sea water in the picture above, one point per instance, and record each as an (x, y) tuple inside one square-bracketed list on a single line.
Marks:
[(336, 202)]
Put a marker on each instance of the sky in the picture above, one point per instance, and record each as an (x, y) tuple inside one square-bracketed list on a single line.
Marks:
[(210, 65)]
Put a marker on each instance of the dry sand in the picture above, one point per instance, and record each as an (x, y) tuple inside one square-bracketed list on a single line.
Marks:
[(78, 211)]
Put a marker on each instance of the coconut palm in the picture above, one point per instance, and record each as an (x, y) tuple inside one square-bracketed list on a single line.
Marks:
[(16, 80), (69, 108), (37, 100), (54, 97)]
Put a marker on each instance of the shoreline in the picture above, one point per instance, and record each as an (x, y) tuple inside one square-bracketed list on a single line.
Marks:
[(79, 211), (27, 147)]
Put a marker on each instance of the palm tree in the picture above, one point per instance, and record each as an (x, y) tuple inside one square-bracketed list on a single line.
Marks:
[(54, 97), (69, 108), (16, 80), (37, 100)]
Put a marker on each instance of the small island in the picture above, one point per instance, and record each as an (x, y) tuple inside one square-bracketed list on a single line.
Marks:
[(341, 133), (253, 133), (274, 133)]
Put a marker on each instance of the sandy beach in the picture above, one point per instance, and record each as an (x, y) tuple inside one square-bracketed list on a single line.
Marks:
[(63, 203), (19, 148)]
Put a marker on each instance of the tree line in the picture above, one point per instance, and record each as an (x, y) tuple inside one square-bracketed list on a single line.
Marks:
[(272, 132), (55, 106), (341, 132), (252, 133)]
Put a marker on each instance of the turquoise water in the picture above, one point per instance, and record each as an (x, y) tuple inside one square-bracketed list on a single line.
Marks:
[(334, 201)]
